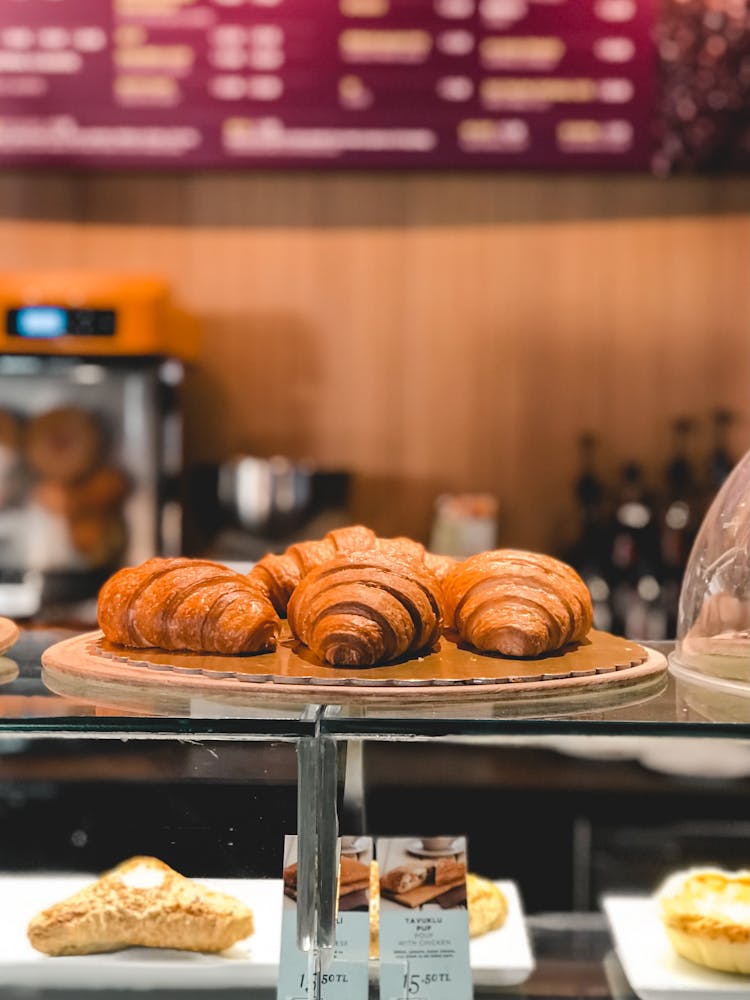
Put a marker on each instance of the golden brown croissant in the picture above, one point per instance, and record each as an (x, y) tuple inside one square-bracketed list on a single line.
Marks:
[(367, 608), (280, 574), (517, 603), (190, 604), (440, 565), (277, 576), (405, 549)]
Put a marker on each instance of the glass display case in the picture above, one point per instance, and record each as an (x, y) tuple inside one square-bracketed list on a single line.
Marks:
[(711, 658), (576, 800)]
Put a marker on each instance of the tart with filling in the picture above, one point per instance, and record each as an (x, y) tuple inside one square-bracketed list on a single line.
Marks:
[(706, 914)]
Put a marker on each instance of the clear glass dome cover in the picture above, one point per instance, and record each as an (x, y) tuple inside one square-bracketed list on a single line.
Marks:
[(713, 624)]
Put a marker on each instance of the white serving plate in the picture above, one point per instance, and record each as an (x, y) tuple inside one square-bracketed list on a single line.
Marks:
[(654, 969), (250, 963), (502, 957)]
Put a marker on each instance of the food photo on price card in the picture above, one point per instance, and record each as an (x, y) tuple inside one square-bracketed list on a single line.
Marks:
[(344, 973), (424, 923)]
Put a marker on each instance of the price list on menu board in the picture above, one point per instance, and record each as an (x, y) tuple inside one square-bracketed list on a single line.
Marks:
[(547, 84)]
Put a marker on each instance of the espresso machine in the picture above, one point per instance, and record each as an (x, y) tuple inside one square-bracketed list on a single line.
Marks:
[(91, 365)]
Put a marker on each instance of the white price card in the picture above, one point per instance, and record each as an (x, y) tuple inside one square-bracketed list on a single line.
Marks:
[(424, 920), (344, 976)]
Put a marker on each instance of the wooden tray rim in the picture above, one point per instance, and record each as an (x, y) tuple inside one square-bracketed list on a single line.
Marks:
[(77, 658), (9, 632)]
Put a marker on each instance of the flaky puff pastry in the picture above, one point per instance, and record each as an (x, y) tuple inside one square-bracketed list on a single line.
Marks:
[(141, 903), (440, 565), (706, 914), (279, 574), (365, 609), (488, 907), (517, 603), (187, 604), (410, 551), (486, 903)]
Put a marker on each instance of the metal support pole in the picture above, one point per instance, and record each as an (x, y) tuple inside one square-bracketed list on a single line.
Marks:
[(317, 853), (353, 809)]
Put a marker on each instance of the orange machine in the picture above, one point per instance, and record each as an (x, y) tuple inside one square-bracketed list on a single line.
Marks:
[(91, 365), (92, 313)]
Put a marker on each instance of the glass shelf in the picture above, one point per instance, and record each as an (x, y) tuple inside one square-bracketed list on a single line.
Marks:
[(660, 705), (29, 708)]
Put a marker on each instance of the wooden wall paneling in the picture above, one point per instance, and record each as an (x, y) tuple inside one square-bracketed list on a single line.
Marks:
[(428, 332)]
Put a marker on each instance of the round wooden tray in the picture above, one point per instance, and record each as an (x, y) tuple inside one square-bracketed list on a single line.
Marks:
[(8, 634), (153, 681)]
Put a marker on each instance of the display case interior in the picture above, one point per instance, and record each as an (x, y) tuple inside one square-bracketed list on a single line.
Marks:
[(570, 799)]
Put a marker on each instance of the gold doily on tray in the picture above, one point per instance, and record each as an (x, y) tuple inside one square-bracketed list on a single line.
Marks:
[(292, 674)]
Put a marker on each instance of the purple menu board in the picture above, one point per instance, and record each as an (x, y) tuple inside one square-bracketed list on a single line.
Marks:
[(546, 84)]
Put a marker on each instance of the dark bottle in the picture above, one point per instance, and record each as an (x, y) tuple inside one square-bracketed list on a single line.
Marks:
[(680, 506), (589, 494), (634, 555), (588, 554), (634, 541), (679, 518), (720, 461)]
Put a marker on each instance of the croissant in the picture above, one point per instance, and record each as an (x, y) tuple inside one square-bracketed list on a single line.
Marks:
[(280, 574), (277, 576), (405, 549), (439, 564), (364, 609), (517, 603), (411, 551), (188, 604)]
